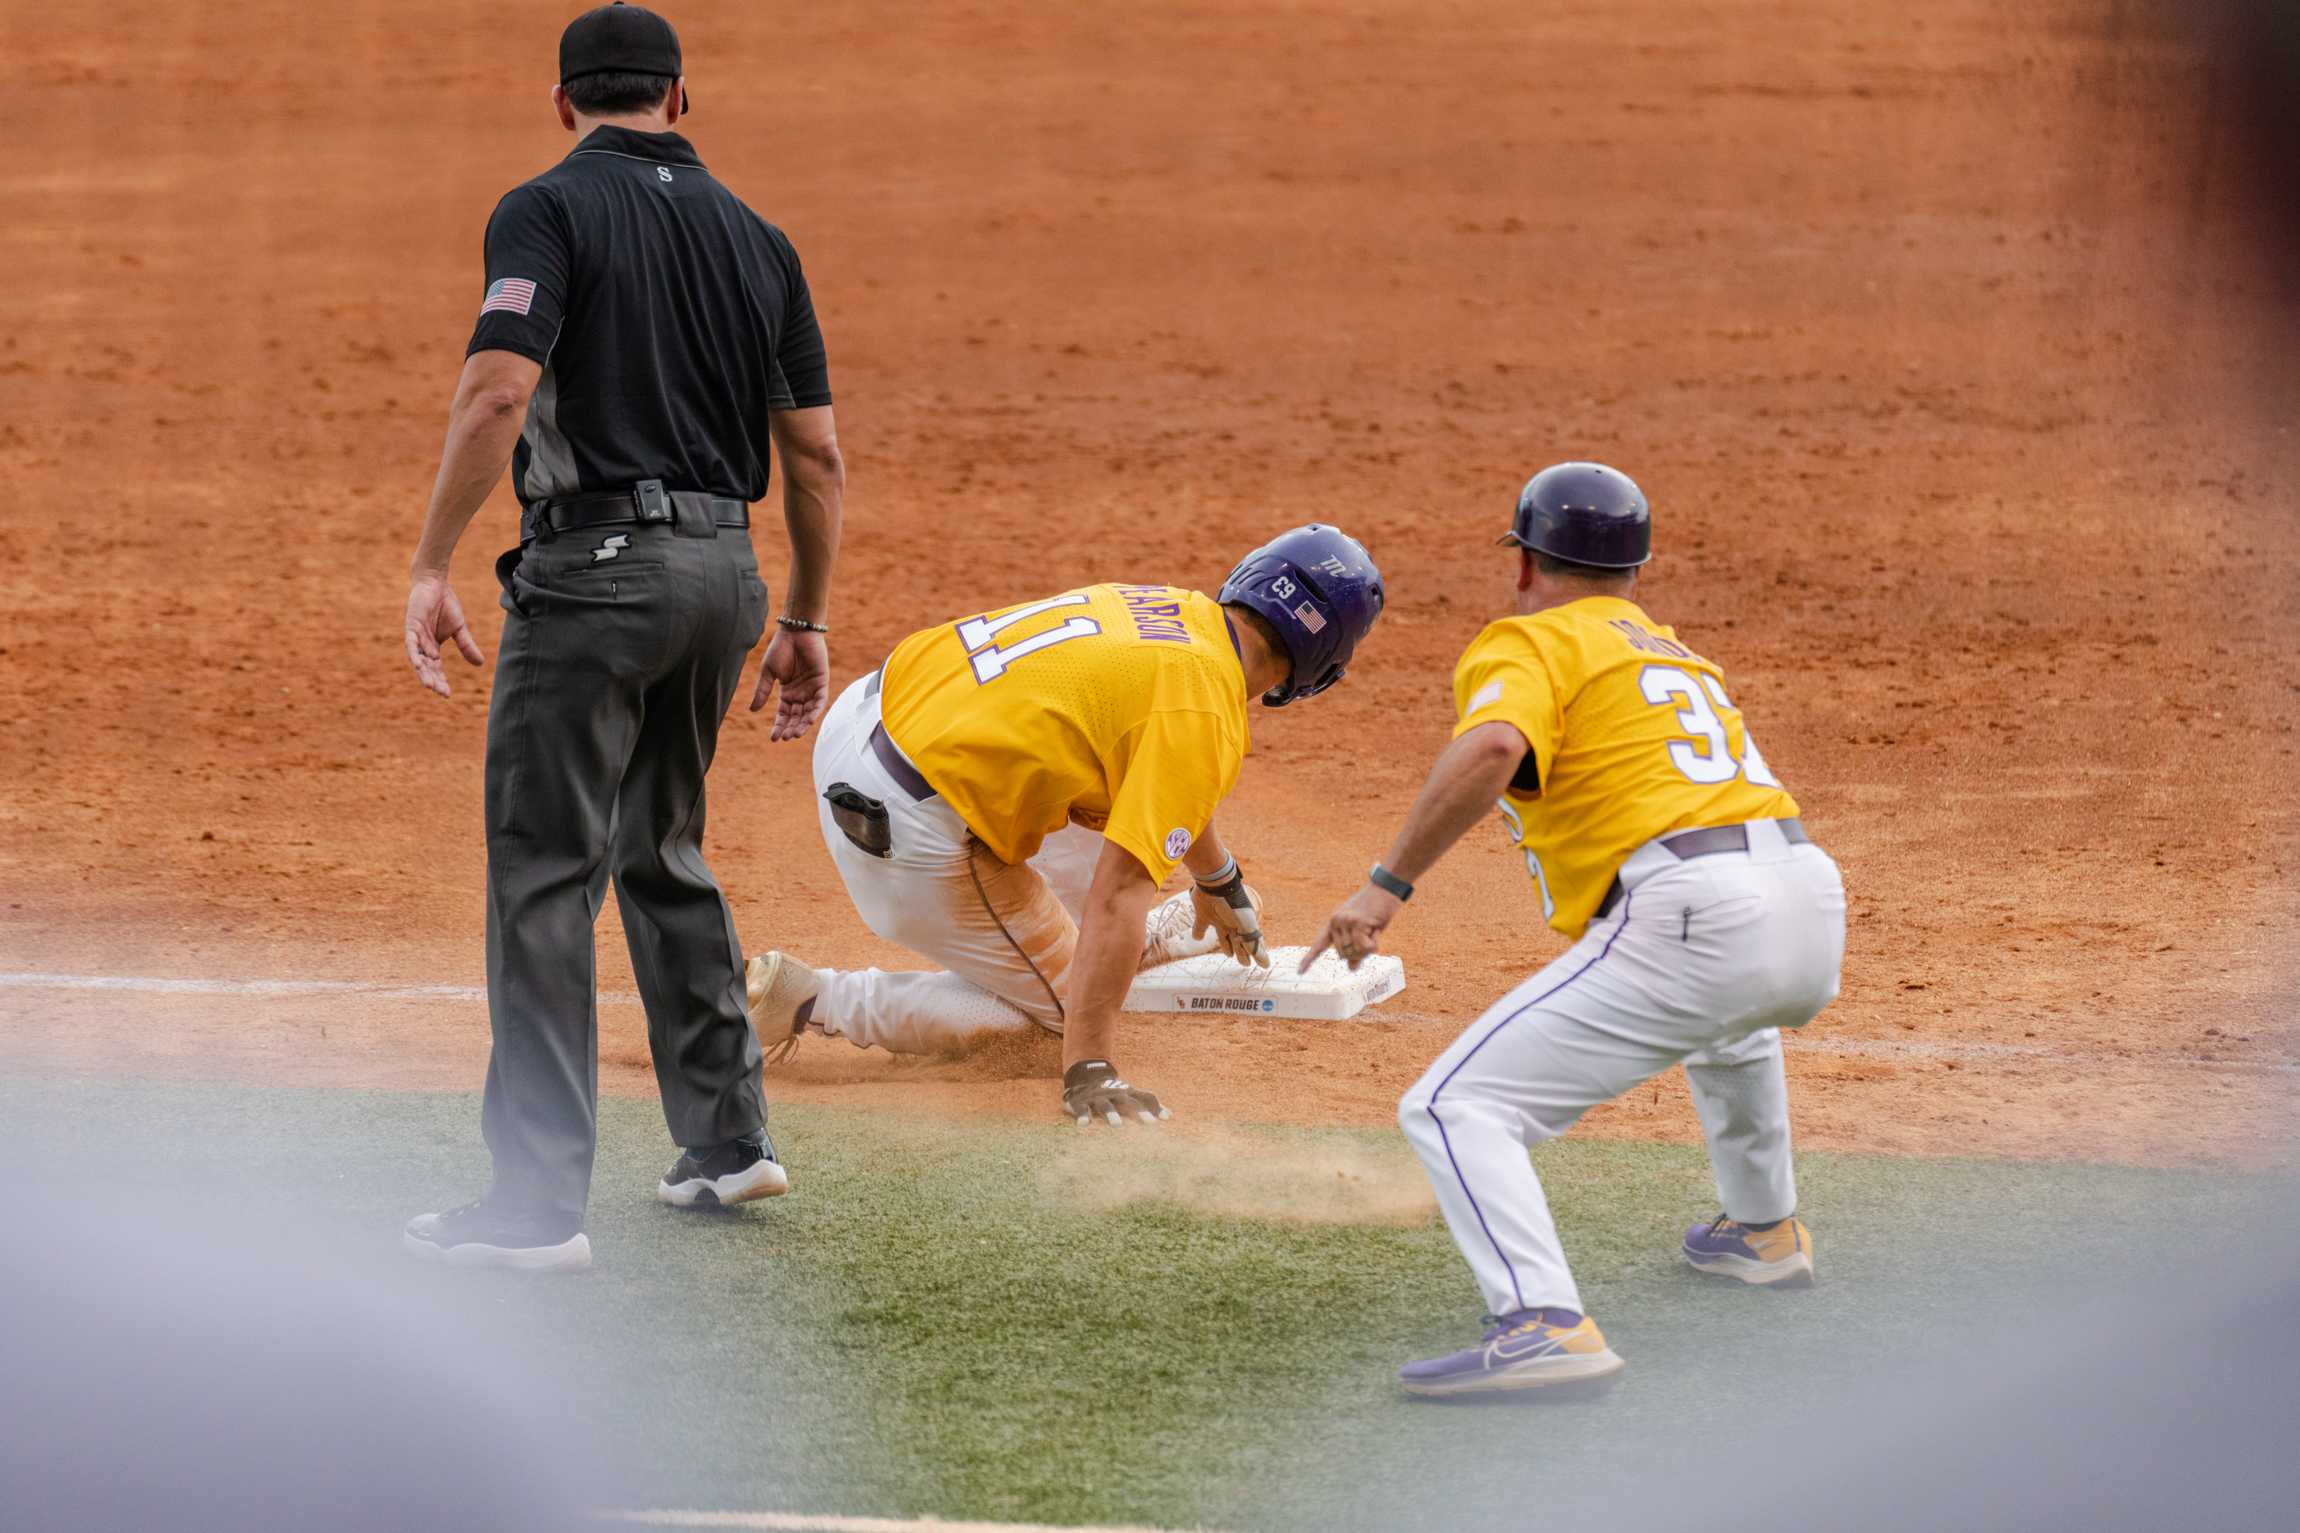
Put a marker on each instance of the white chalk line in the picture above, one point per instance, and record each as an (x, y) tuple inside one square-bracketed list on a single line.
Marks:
[(370, 989), (1883, 1049), (811, 1522)]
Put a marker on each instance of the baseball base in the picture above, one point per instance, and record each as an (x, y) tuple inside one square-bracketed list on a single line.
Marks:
[(1214, 985)]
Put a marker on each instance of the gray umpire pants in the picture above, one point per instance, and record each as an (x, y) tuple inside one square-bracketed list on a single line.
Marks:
[(622, 648)]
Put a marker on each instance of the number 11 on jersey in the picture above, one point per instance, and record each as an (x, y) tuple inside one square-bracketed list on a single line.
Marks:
[(979, 635)]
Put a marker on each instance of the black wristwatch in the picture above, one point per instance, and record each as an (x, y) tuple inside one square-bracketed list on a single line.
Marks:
[(1389, 883)]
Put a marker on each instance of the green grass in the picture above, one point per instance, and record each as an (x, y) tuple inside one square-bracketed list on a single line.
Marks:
[(930, 1323)]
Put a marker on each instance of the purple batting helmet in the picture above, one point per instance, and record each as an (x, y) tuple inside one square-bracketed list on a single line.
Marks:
[(1317, 586), (1584, 513)]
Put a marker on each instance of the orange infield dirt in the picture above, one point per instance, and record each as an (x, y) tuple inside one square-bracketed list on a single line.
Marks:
[(1909, 320)]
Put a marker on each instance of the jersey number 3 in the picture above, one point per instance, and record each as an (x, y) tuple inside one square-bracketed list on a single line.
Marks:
[(1706, 755), (979, 635)]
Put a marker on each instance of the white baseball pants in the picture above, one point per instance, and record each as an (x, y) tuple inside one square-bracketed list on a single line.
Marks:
[(1003, 933), (1702, 961)]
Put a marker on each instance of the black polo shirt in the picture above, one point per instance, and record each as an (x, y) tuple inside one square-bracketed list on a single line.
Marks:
[(669, 319)]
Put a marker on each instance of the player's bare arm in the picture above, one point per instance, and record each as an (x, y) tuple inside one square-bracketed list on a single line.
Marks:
[(1208, 855), (1109, 946), (482, 426), (1460, 791), (814, 493)]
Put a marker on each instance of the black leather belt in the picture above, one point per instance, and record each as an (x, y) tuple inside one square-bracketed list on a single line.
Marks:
[(645, 503), (1707, 842), (898, 765)]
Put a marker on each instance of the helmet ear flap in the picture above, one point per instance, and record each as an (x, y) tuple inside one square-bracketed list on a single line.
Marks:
[(1318, 590)]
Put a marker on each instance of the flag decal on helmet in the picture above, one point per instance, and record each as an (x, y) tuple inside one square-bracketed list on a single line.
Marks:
[(1319, 634)]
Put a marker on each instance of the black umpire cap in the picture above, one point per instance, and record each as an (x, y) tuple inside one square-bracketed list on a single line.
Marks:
[(620, 39)]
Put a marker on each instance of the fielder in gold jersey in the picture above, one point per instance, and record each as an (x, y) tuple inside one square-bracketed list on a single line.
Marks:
[(1007, 793), (1655, 746), (1705, 920)]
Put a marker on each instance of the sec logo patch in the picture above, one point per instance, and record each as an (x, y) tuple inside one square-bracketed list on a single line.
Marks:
[(1177, 842)]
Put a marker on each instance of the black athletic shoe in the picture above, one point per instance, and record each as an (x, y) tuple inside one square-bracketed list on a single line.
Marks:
[(477, 1235), (739, 1171)]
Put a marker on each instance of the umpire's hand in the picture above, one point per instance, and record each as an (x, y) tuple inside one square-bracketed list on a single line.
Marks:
[(434, 614), (801, 664)]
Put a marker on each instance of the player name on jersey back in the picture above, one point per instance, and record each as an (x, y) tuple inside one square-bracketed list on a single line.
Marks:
[(1157, 613), (1120, 707)]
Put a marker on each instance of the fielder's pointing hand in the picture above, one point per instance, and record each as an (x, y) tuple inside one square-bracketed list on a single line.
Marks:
[(434, 614), (1355, 928)]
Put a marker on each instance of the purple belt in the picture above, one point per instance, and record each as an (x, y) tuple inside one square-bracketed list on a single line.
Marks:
[(898, 765), (1689, 844)]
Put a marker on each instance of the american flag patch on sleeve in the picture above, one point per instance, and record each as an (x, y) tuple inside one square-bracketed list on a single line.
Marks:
[(509, 295)]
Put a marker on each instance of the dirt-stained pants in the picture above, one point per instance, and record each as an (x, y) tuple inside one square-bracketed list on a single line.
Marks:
[(1003, 932)]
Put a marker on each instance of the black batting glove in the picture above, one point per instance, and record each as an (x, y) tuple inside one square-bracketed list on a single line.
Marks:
[(1093, 1088)]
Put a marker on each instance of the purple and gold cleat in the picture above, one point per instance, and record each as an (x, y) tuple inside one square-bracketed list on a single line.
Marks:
[(1779, 1257), (1530, 1349)]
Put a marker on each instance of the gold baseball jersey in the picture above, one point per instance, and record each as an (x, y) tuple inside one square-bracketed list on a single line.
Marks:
[(1119, 707), (1632, 738)]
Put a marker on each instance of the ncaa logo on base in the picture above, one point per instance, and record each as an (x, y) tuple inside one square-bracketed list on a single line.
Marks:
[(1177, 841)]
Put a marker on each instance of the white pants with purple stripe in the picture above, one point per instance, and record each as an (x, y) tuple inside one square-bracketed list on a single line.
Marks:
[(1004, 933), (1702, 962)]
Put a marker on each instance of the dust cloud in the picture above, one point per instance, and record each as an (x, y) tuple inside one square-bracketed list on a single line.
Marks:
[(1290, 1178)]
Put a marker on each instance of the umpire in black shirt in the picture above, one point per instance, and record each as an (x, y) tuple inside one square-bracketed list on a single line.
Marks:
[(642, 338)]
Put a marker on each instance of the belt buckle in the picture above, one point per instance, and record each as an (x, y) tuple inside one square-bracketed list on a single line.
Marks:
[(654, 504)]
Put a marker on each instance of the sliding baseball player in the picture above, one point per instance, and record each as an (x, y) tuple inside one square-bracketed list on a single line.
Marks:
[(1007, 793)]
